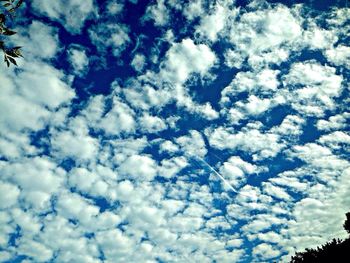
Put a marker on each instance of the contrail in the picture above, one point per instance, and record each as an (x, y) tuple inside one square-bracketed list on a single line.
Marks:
[(219, 175)]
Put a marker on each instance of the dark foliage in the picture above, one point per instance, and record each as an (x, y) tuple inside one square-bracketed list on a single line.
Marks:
[(8, 12), (334, 251), (347, 223)]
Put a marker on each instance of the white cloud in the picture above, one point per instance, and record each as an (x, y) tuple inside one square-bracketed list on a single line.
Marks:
[(185, 58), (339, 56), (38, 200), (192, 144), (276, 191), (38, 174), (18, 112), (236, 171), (43, 39), (313, 87), (73, 206), (138, 62), (114, 7), (261, 145), (29, 224), (193, 10), (206, 111), (262, 60), (146, 97), (291, 181), (262, 30), (168, 146), (78, 59), (255, 105), (334, 122), (159, 13), (35, 250), (151, 124), (69, 144), (115, 244), (335, 140), (5, 256), (170, 167), (118, 120), (264, 82), (45, 85), (233, 59), (38, 89), (292, 125), (82, 179), (265, 251), (109, 203), (110, 35), (9, 194), (138, 167), (71, 15), (211, 24), (318, 38), (316, 218)]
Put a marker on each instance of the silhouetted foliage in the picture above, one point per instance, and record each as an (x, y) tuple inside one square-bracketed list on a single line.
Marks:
[(8, 10), (333, 251), (347, 223)]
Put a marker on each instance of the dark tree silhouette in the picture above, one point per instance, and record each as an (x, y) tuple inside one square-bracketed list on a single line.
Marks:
[(8, 10), (347, 223), (333, 251)]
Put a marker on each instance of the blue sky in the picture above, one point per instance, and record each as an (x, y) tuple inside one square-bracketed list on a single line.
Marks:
[(174, 131)]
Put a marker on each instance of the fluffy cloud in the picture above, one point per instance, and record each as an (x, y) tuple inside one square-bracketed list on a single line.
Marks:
[(133, 174), (213, 23), (36, 174), (78, 59), (185, 58), (39, 89), (151, 124), (110, 36), (75, 144), (313, 87), (158, 13), (261, 145), (71, 15), (334, 122), (192, 144), (339, 56), (236, 171), (138, 167), (9, 195), (44, 41), (264, 82), (263, 30), (265, 251), (138, 62), (193, 10)]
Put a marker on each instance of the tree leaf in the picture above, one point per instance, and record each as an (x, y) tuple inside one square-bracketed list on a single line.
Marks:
[(17, 51), (19, 3), (8, 32), (14, 52), (2, 18), (12, 60), (7, 61)]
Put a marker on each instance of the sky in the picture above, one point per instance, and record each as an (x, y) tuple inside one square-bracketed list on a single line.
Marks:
[(174, 131)]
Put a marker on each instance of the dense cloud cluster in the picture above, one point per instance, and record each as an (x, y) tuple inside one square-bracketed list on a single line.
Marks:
[(216, 133)]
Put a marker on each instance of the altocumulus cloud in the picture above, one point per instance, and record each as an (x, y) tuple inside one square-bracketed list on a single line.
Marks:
[(117, 123)]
